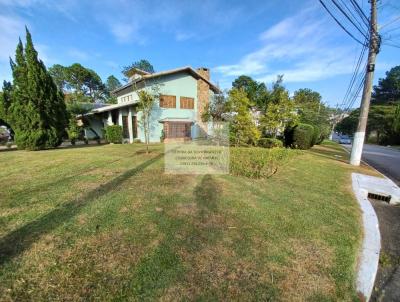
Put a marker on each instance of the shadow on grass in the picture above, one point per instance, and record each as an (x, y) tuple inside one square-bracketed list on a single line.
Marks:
[(163, 266), (207, 194), (21, 239)]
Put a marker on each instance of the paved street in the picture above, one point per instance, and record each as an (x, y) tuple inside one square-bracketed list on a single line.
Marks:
[(384, 159)]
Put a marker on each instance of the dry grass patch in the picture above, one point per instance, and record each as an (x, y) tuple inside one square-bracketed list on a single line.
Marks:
[(307, 273)]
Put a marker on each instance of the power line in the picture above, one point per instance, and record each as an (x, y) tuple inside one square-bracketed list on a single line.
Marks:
[(340, 24), (393, 45), (354, 76), (348, 18), (360, 12), (356, 92), (353, 15), (390, 22)]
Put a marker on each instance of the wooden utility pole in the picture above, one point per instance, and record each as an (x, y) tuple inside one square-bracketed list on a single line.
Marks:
[(374, 42)]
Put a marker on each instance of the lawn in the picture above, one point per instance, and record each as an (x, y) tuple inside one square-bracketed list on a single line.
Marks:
[(105, 223)]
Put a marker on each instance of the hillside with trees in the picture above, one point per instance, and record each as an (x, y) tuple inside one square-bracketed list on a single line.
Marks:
[(383, 125)]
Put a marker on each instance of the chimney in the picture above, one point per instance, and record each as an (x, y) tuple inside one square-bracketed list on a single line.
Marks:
[(203, 97), (204, 72)]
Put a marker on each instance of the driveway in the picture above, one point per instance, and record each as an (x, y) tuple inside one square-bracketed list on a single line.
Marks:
[(385, 159)]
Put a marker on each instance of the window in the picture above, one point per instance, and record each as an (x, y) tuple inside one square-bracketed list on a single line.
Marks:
[(187, 103), (176, 130), (125, 127), (134, 126), (127, 98), (168, 101)]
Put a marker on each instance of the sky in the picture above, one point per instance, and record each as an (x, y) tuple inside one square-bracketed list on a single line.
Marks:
[(261, 39)]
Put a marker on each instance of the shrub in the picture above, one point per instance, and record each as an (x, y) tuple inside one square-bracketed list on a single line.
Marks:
[(270, 143), (73, 131), (303, 136), (258, 162), (114, 134), (316, 135)]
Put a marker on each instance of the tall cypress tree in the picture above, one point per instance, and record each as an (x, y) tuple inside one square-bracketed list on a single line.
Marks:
[(37, 112)]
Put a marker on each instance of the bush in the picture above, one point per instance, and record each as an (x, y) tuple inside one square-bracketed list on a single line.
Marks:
[(37, 139), (270, 143), (300, 136), (258, 162), (114, 134), (316, 136), (73, 131)]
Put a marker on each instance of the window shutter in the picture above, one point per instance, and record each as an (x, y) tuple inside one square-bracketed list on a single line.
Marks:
[(186, 102), (168, 101)]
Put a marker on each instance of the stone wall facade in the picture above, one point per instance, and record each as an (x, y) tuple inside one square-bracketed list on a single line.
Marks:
[(203, 96)]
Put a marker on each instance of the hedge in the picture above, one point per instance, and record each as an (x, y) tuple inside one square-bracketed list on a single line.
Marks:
[(113, 134), (299, 136), (257, 162), (270, 143)]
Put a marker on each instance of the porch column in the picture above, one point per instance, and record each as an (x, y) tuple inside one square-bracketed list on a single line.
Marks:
[(109, 119), (130, 126), (120, 117)]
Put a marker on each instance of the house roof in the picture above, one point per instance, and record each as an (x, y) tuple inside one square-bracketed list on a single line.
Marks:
[(188, 69), (176, 119), (111, 107)]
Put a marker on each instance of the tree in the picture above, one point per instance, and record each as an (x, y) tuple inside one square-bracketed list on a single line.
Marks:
[(243, 130), (312, 111), (141, 64), (256, 92), (58, 73), (145, 105), (5, 100), (308, 97), (36, 110), (279, 113), (112, 83), (215, 109), (81, 84), (382, 121), (388, 89), (85, 83)]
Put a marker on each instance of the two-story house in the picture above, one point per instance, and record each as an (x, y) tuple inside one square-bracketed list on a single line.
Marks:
[(183, 95)]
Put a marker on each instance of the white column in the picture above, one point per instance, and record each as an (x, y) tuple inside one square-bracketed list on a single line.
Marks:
[(130, 126), (120, 117), (109, 120)]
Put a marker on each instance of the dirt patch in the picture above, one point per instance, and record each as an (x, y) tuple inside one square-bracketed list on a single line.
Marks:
[(307, 273)]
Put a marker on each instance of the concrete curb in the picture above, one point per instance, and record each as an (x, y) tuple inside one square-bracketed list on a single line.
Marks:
[(371, 245)]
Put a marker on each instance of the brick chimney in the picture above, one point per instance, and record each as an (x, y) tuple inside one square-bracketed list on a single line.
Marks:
[(204, 72), (203, 96)]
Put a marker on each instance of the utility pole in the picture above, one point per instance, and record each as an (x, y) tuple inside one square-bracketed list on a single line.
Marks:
[(374, 41)]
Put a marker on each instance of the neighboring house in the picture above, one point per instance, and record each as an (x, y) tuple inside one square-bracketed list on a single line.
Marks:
[(184, 93)]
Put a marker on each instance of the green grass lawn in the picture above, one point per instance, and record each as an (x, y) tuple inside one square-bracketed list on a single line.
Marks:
[(105, 223)]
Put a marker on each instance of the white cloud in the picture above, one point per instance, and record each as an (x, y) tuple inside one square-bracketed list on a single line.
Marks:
[(78, 54), (301, 47), (11, 28), (182, 36)]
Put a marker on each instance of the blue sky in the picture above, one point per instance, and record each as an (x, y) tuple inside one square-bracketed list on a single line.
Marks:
[(294, 38)]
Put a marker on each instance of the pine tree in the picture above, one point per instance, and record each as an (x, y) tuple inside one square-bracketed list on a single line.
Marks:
[(37, 112)]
